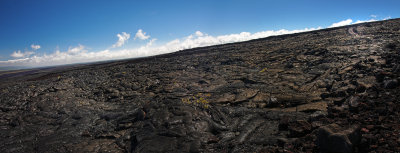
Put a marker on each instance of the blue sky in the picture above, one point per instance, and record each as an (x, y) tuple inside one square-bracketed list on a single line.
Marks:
[(54, 32)]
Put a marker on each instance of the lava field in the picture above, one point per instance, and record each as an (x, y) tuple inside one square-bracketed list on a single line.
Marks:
[(330, 90)]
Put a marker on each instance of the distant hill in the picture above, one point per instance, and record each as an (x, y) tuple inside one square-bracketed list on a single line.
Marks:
[(12, 68)]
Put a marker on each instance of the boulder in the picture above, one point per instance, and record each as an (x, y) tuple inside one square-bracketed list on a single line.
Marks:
[(333, 138)]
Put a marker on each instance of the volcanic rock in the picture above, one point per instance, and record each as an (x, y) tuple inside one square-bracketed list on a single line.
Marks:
[(303, 92), (333, 138)]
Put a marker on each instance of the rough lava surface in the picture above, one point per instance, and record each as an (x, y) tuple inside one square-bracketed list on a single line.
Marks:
[(331, 90)]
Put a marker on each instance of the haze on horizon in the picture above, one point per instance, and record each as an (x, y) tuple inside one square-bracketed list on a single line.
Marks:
[(47, 33)]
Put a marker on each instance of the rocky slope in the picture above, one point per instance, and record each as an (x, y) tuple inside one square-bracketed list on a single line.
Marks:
[(303, 92)]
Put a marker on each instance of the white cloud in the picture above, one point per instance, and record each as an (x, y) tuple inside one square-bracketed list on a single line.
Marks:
[(75, 50), (341, 23), (373, 16), (19, 54), (150, 43), (35, 47), (122, 38), (387, 18), (350, 21), (199, 34), (141, 35), (362, 21)]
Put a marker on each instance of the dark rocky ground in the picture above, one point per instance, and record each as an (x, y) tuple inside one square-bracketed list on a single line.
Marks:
[(332, 90)]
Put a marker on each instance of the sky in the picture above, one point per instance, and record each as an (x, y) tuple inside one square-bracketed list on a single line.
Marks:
[(56, 32)]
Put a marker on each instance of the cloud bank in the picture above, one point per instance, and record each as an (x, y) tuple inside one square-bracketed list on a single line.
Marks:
[(341, 23), (80, 53), (350, 21), (19, 54)]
